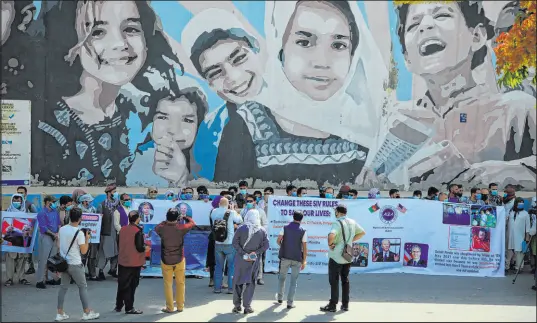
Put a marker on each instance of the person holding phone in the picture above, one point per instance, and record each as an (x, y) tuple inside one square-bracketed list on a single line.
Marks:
[(73, 242), (249, 242)]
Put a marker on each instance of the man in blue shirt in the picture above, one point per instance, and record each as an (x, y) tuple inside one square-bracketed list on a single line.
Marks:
[(48, 220), (224, 250)]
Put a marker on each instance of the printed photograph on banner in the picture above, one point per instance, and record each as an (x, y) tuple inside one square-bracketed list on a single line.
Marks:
[(146, 211), (457, 214), (17, 232), (184, 209), (480, 239), (484, 216), (459, 238), (386, 249), (152, 240), (416, 254), (360, 254)]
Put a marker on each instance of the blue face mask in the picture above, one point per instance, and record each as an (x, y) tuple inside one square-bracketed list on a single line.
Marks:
[(436, 197), (169, 197), (494, 192), (127, 203), (68, 208), (478, 196), (204, 197), (115, 196), (54, 205), (293, 194), (249, 205), (243, 192), (378, 195), (346, 197), (258, 199), (329, 195), (186, 196), (17, 205), (520, 206), (504, 194)]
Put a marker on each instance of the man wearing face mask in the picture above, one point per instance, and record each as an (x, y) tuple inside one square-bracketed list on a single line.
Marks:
[(518, 226), (329, 193), (485, 196), (291, 190), (85, 204), (15, 261), (251, 204), (343, 192), (263, 204), (495, 198), (187, 194), (416, 194), (108, 249), (23, 191), (476, 198), (49, 223), (302, 192), (432, 194), (203, 193), (394, 193), (121, 217), (240, 198), (66, 204)]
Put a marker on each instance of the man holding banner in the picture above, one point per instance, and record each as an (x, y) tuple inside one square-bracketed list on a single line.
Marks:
[(344, 232), (15, 261)]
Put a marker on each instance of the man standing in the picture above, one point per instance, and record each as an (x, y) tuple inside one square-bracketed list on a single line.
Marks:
[(251, 204), (172, 235), (31, 208), (121, 217), (454, 193), (131, 258), (291, 190), (72, 243), (495, 198), (49, 223), (344, 232), (66, 204), (240, 198), (293, 254), (416, 194), (15, 261), (394, 193), (264, 202), (475, 197), (302, 192), (432, 194), (108, 244), (222, 218)]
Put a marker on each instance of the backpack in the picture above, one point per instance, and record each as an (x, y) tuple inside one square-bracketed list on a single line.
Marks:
[(219, 228)]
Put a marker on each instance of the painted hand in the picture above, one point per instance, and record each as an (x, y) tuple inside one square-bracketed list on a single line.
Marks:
[(170, 162), (368, 179)]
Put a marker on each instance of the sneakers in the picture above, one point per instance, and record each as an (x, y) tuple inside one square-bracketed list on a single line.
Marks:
[(248, 310), (40, 285), (277, 299), (61, 317), (90, 316), (328, 308), (237, 310), (260, 282), (345, 307)]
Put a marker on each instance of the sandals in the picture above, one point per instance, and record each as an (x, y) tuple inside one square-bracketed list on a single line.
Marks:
[(8, 283), (165, 310), (134, 311), (24, 282)]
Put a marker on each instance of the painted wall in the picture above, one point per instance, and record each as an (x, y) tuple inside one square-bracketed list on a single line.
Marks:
[(169, 92)]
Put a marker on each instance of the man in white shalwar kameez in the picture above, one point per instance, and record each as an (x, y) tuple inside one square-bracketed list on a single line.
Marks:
[(519, 230)]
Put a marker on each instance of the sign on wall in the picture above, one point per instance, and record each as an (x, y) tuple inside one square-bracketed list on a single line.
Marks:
[(402, 236), (16, 142)]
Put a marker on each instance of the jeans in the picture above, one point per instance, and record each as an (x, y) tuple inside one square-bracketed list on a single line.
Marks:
[(224, 252), (335, 271), (77, 273), (177, 270), (285, 264)]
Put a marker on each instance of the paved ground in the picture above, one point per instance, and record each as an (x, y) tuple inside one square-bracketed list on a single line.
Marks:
[(375, 297)]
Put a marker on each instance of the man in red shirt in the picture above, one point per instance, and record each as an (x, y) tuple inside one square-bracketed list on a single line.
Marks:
[(172, 235)]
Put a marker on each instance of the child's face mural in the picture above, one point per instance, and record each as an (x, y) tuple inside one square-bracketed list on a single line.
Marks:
[(233, 70), (7, 15), (317, 50), (437, 38), (115, 50), (175, 121)]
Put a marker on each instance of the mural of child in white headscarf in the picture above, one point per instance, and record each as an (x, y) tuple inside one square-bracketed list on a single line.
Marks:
[(477, 127)]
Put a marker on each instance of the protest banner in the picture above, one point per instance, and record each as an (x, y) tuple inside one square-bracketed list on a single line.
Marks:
[(402, 235), (19, 231), (16, 144), (92, 222), (196, 241)]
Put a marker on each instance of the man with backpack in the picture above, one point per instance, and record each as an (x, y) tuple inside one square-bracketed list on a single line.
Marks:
[(223, 223)]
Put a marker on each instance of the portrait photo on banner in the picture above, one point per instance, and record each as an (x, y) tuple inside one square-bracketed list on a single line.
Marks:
[(18, 232), (416, 255), (386, 249)]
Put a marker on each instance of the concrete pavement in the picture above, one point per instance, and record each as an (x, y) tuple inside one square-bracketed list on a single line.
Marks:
[(374, 297)]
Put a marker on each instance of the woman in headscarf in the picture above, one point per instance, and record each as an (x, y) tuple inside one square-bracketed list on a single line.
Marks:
[(518, 226), (152, 192), (77, 193), (85, 204), (373, 193), (250, 241)]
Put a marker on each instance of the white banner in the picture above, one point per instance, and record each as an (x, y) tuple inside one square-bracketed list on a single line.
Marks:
[(19, 231), (154, 211), (418, 236), (16, 144), (93, 222)]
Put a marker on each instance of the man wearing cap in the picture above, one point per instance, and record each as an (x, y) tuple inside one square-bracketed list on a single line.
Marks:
[(108, 248), (84, 203), (48, 220), (343, 192), (344, 232)]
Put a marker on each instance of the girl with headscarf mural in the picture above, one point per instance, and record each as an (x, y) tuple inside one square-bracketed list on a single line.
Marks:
[(312, 136), (112, 42), (481, 135)]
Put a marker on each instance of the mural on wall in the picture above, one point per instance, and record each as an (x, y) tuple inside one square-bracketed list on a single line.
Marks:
[(376, 94)]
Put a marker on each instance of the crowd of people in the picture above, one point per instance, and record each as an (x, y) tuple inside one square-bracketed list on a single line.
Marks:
[(237, 242)]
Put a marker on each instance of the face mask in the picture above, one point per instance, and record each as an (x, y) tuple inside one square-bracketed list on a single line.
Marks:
[(250, 205), (243, 192), (478, 196), (169, 197), (459, 194), (346, 197), (17, 204), (187, 196), (257, 199), (293, 194), (115, 196), (378, 195), (494, 192), (504, 195), (127, 203), (484, 197), (436, 197), (68, 208), (204, 197), (520, 206), (53, 206), (329, 195)]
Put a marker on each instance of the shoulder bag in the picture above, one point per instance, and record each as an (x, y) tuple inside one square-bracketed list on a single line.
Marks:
[(57, 263), (347, 249)]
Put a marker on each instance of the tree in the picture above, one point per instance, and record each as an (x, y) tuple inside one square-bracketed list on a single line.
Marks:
[(516, 48)]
